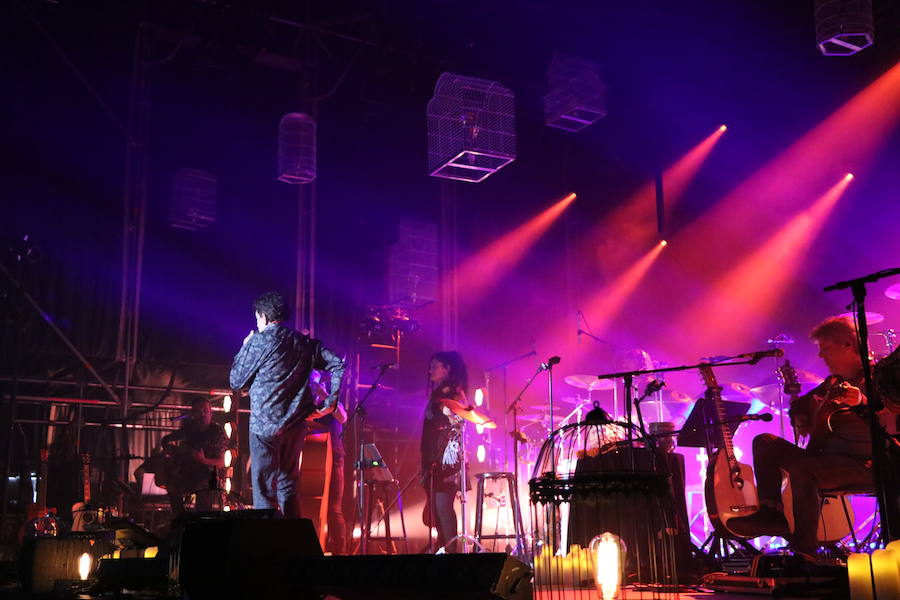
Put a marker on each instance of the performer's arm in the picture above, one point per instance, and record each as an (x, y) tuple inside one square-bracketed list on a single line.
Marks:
[(247, 361), (326, 360)]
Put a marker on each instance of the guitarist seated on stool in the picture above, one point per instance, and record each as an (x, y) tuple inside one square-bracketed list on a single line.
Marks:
[(838, 454), (192, 451)]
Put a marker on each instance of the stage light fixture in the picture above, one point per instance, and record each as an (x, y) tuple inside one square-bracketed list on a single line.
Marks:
[(848, 176), (576, 94), (723, 128), (844, 27), (471, 128), (297, 148), (479, 396)]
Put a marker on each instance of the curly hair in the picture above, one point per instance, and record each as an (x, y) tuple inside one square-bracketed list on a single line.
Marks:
[(458, 374), (272, 305)]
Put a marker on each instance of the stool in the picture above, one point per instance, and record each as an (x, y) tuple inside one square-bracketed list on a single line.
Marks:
[(841, 494), (377, 492), (512, 486)]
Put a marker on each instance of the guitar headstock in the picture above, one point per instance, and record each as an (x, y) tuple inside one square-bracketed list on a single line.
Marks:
[(791, 384), (709, 377)]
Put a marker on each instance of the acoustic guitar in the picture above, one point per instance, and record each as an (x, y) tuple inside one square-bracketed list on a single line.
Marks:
[(730, 490)]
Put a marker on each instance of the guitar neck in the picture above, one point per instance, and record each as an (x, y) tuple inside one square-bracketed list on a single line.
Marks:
[(714, 394), (42, 483), (86, 476)]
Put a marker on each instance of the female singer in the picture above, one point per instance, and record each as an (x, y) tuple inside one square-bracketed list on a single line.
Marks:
[(440, 446)]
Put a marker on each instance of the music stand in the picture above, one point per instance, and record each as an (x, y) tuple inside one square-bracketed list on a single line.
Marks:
[(696, 430)]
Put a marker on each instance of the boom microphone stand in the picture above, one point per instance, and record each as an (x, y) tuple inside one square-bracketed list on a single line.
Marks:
[(885, 482), (514, 406), (505, 366)]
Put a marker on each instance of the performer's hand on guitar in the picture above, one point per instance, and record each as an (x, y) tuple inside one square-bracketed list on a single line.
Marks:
[(249, 335), (848, 394)]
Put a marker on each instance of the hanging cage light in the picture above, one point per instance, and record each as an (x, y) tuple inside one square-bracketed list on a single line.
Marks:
[(471, 128), (296, 148), (844, 27)]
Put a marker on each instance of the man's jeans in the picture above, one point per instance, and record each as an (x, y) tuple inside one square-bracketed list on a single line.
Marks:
[(275, 467)]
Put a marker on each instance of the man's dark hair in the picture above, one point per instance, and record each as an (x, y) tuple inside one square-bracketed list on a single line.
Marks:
[(272, 305)]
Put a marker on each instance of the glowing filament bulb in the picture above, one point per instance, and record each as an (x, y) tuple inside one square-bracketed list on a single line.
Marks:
[(608, 553), (479, 428), (228, 485), (226, 404), (479, 397), (84, 565), (481, 452), (228, 458), (228, 429)]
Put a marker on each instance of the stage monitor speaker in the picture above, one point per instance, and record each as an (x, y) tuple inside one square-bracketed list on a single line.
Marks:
[(240, 558), (489, 576)]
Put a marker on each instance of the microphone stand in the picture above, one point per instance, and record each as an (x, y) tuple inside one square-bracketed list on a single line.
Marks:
[(505, 366), (890, 520), (514, 409), (360, 429)]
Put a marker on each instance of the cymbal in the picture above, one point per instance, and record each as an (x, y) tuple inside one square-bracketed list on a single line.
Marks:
[(741, 389), (672, 397), (768, 393), (469, 413), (589, 382), (871, 317), (893, 292)]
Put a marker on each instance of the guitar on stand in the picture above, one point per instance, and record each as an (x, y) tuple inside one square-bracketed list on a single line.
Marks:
[(834, 524), (730, 489), (41, 519), (85, 516)]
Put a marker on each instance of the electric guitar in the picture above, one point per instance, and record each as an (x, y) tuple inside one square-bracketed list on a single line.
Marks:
[(84, 516), (730, 490), (833, 523), (41, 519)]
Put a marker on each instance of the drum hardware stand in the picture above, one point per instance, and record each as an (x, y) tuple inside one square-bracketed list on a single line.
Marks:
[(886, 484), (360, 464), (774, 342)]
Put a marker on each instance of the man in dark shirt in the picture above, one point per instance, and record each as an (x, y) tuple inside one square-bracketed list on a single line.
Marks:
[(195, 450), (838, 454), (276, 361)]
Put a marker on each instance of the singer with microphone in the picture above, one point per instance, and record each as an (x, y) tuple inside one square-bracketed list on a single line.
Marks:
[(276, 362), (189, 456), (838, 454)]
